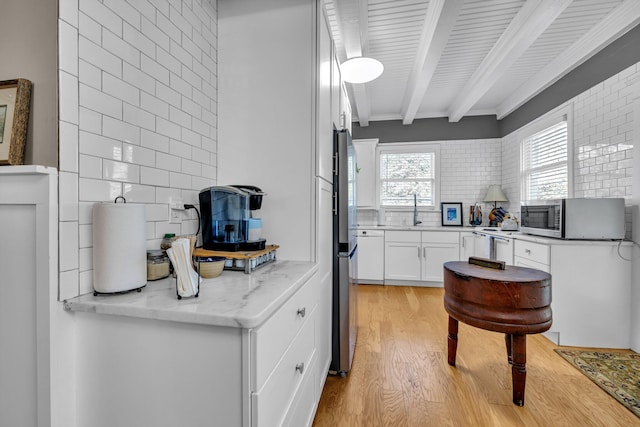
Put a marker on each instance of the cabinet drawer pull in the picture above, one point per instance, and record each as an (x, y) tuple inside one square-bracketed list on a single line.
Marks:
[(527, 251), (302, 311), (300, 367)]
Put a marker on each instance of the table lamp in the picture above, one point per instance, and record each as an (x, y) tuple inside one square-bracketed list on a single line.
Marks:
[(495, 195)]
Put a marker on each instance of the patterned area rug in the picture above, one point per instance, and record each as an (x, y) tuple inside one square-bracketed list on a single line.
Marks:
[(618, 374)]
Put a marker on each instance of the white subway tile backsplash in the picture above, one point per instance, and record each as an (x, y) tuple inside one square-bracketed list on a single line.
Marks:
[(168, 95), (89, 74), (154, 105), (68, 196), (138, 115), (119, 47), (119, 130), (85, 259), (101, 14), (120, 89), (89, 28), (68, 58), (165, 127), (156, 212), (68, 147), (125, 11), (100, 146), (139, 79), (69, 284), (120, 171), (153, 176), (168, 61), (68, 97), (98, 101), (154, 69), (90, 121), (95, 55), (85, 231), (97, 190), (180, 180), (138, 155), (138, 193), (90, 166), (68, 245), (154, 141)]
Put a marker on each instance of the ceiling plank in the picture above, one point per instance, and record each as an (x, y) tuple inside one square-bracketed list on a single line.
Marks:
[(438, 22), (352, 16), (615, 24), (532, 20)]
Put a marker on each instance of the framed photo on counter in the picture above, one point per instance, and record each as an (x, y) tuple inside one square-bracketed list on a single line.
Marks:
[(451, 213), (15, 96)]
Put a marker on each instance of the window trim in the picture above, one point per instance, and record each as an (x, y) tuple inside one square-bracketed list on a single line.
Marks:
[(410, 147), (563, 112)]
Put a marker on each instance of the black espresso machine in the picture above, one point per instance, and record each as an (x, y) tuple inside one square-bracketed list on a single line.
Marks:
[(227, 223)]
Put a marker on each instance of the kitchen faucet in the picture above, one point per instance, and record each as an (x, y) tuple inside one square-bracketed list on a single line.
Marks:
[(415, 210)]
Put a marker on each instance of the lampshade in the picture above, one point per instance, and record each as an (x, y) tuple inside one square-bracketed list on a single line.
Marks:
[(495, 194), (361, 69)]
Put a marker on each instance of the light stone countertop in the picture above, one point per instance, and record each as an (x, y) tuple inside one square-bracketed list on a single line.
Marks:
[(495, 231), (232, 299)]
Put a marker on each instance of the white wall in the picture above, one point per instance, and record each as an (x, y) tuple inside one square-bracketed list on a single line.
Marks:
[(138, 117), (467, 168), (605, 162)]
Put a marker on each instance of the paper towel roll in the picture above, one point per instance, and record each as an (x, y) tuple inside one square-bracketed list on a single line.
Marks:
[(119, 247)]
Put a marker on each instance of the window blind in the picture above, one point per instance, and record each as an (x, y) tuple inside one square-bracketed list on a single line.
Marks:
[(403, 174), (544, 163)]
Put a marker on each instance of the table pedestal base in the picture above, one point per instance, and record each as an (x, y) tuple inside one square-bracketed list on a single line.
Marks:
[(516, 356)]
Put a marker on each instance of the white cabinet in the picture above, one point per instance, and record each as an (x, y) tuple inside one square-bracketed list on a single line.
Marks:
[(532, 255), (324, 148), (283, 354), (590, 290), (370, 256), (467, 241), (366, 172), (438, 247), (402, 255), (418, 256)]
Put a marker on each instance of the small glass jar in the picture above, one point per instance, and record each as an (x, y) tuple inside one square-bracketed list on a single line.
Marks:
[(157, 265)]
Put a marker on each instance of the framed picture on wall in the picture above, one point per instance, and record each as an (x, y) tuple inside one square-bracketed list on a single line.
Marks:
[(451, 213), (15, 96)]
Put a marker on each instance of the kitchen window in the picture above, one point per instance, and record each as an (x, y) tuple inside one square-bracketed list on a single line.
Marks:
[(545, 166), (407, 170)]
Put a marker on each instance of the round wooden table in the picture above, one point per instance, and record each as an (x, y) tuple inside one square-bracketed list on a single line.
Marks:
[(515, 301)]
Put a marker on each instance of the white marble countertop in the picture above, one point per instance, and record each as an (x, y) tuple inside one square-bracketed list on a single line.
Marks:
[(232, 299), (495, 231)]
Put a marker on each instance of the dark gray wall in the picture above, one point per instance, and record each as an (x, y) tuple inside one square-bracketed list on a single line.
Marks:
[(622, 53), (437, 129), (29, 30)]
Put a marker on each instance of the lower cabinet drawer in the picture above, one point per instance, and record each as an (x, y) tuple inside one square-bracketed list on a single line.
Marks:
[(269, 404), (303, 406), (270, 340), (531, 251), (524, 262)]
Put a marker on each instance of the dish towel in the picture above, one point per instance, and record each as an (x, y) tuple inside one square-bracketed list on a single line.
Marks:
[(187, 278)]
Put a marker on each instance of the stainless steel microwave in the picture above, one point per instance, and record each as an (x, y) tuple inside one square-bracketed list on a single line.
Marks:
[(589, 219)]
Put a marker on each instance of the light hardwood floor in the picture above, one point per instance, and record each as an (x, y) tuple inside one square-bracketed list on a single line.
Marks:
[(400, 376)]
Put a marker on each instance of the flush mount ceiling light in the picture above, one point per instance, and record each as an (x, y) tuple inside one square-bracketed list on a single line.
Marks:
[(361, 69)]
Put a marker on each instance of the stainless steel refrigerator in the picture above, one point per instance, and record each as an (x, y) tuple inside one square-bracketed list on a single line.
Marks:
[(345, 254)]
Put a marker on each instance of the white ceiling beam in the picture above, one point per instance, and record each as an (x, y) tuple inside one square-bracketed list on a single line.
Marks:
[(615, 24), (352, 17), (438, 23), (532, 20)]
